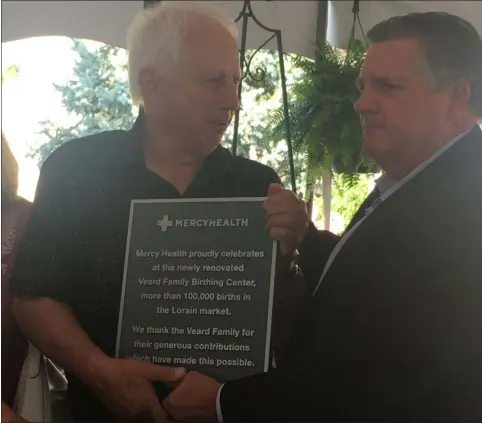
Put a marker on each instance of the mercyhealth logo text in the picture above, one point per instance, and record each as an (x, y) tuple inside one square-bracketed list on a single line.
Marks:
[(165, 223)]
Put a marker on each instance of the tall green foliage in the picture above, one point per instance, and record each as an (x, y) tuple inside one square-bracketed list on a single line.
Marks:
[(97, 98)]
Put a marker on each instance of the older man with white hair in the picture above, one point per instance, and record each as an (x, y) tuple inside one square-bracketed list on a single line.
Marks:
[(184, 71)]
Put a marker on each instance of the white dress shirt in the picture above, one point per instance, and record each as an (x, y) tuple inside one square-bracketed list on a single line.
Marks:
[(387, 187)]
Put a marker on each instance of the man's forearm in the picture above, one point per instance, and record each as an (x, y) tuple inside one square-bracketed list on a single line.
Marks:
[(54, 330)]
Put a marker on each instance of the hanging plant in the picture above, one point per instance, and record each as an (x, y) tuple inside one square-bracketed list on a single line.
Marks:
[(326, 129), (324, 123)]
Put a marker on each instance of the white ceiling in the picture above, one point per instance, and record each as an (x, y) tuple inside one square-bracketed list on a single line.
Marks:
[(107, 21), (372, 12), (99, 20)]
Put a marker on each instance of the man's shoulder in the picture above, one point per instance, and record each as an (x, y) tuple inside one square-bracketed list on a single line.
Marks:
[(254, 169), (87, 154)]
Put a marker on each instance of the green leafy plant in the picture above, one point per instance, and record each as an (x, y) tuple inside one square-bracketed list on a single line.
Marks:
[(325, 127)]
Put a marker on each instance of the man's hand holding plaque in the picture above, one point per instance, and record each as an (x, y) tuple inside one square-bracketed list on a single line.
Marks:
[(194, 397), (287, 222), (286, 218), (125, 386)]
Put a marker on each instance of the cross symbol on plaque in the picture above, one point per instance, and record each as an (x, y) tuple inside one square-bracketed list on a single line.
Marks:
[(164, 223)]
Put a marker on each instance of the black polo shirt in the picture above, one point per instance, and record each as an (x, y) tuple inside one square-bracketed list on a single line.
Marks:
[(73, 249)]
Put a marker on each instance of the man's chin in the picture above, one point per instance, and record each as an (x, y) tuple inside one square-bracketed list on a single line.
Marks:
[(207, 147), (373, 144)]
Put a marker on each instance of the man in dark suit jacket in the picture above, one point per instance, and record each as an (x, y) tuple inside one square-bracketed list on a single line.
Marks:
[(393, 331)]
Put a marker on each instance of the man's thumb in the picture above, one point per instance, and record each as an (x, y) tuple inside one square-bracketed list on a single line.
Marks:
[(275, 188), (166, 374)]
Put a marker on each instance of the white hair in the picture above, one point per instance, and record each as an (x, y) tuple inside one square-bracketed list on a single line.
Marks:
[(155, 36)]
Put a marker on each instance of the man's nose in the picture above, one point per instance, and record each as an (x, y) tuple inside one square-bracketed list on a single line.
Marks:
[(366, 103), (230, 99)]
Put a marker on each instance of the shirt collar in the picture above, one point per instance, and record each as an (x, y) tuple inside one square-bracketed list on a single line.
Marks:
[(385, 182), (387, 185)]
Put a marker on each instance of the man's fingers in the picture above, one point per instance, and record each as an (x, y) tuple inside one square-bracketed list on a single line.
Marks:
[(168, 374), (173, 385), (159, 373), (170, 409), (283, 221), (166, 404), (155, 409), (283, 202), (275, 188), (282, 234), (158, 414)]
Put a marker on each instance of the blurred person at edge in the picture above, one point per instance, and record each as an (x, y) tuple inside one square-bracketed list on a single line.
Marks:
[(184, 70), (15, 213)]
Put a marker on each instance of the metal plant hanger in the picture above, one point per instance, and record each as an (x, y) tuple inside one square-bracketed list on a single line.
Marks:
[(356, 20), (259, 74), (362, 167)]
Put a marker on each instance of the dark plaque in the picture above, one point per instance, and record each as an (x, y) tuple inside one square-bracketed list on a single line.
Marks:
[(198, 286)]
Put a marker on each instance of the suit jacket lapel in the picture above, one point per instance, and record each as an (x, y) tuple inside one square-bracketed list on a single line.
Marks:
[(360, 213), (427, 188)]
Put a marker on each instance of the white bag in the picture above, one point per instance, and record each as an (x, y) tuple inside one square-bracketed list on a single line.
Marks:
[(33, 400)]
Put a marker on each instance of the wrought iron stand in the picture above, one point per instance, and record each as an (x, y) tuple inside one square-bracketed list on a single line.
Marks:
[(244, 16)]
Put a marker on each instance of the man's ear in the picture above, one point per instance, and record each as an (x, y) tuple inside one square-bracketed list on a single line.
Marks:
[(460, 92), (148, 83)]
